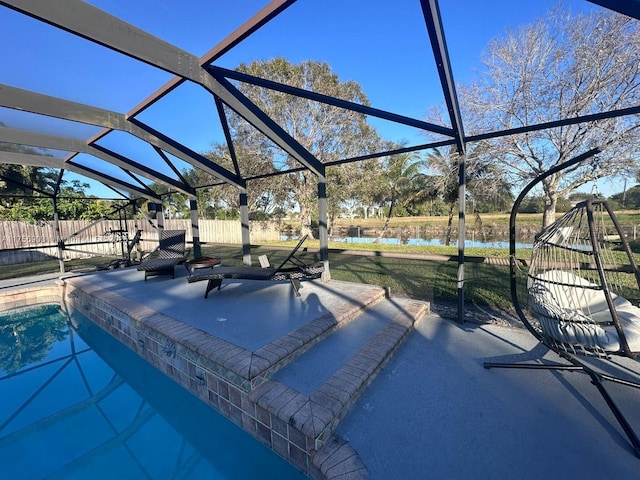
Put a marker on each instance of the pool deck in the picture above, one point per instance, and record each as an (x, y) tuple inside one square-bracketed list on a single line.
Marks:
[(430, 410)]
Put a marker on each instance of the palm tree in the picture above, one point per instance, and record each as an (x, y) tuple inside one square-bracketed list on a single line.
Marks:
[(482, 179), (445, 182), (404, 182)]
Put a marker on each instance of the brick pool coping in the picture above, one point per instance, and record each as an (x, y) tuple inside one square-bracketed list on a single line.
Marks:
[(237, 382), (29, 297)]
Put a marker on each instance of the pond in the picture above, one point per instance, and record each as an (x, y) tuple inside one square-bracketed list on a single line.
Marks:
[(431, 242)]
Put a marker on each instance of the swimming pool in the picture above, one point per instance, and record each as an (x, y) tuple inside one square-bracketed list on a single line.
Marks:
[(78, 404)]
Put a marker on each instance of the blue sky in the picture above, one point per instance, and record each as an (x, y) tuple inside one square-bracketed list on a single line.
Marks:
[(381, 44)]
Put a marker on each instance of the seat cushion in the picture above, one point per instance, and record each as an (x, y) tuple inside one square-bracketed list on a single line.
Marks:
[(571, 291), (157, 264), (571, 311)]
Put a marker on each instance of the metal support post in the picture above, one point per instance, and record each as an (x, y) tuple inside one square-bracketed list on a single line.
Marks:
[(244, 221), (461, 233), (157, 207), (323, 230), (59, 241), (195, 229)]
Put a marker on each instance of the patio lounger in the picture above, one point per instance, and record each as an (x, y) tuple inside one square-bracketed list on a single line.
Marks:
[(299, 271), (171, 252)]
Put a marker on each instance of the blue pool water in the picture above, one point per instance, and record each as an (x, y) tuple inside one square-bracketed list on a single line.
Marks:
[(79, 405)]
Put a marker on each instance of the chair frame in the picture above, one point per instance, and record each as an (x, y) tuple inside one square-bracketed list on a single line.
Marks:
[(299, 271), (575, 362), (166, 261)]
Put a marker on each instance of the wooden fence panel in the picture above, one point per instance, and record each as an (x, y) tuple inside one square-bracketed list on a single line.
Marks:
[(22, 242)]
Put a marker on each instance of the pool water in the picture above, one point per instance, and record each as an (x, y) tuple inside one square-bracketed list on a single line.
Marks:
[(76, 404)]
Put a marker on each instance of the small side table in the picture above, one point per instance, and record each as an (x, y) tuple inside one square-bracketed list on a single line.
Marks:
[(201, 262)]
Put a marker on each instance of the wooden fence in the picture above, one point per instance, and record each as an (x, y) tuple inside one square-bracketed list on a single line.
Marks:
[(22, 242)]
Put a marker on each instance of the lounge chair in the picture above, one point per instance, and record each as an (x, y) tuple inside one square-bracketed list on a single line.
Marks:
[(171, 252), (299, 271)]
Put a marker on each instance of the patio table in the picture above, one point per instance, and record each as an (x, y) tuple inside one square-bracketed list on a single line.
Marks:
[(201, 262)]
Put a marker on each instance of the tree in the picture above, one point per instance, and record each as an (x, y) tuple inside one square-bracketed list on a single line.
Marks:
[(25, 190), (488, 187), (20, 179), (445, 181), (484, 179), (328, 132), (404, 182), (28, 192), (72, 204), (265, 195), (628, 199), (367, 187), (559, 67)]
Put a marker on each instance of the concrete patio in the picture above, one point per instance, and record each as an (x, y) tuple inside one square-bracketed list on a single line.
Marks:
[(432, 410)]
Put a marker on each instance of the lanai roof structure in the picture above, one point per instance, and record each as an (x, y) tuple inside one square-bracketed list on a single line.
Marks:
[(160, 109), (123, 149)]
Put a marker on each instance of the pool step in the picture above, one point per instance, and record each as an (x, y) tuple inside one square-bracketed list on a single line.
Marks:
[(309, 371), (315, 391)]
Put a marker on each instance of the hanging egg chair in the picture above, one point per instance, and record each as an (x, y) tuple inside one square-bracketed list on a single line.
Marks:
[(580, 277), (578, 294)]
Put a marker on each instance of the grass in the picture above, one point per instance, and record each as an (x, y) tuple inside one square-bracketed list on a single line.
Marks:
[(423, 278), (50, 266)]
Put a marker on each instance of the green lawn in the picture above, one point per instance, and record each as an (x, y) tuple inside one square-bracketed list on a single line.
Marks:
[(486, 284), (420, 279)]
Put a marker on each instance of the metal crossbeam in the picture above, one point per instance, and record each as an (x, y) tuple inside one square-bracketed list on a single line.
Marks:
[(85, 20), (169, 145), (631, 8), (51, 162), (234, 99), (556, 123), (241, 33), (24, 100), (433, 22), (23, 137), (28, 101), (269, 12), (438, 44), (336, 102), (89, 22)]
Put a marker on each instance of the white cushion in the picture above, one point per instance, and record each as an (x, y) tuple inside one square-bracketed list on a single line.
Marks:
[(574, 292), (572, 313)]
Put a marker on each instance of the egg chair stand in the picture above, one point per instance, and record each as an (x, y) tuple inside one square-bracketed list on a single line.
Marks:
[(575, 293)]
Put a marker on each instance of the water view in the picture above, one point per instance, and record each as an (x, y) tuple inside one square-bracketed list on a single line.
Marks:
[(430, 242)]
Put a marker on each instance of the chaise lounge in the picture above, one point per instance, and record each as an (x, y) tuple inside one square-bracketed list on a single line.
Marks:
[(171, 252), (299, 271)]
